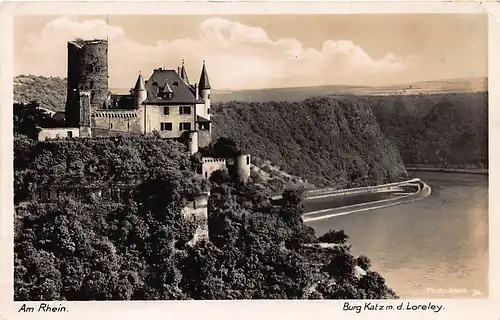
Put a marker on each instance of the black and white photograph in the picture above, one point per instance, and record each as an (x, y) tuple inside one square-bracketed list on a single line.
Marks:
[(250, 157)]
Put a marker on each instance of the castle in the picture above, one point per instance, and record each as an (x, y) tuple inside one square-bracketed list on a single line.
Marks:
[(166, 104)]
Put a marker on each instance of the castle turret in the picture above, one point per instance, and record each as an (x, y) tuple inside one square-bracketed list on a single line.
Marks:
[(204, 87), (242, 166), (193, 142), (183, 74), (140, 93)]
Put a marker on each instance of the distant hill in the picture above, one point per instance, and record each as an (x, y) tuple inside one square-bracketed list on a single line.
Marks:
[(442, 130), (296, 94), (445, 130), (327, 141), (48, 92)]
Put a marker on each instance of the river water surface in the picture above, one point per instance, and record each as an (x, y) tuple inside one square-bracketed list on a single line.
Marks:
[(430, 246)]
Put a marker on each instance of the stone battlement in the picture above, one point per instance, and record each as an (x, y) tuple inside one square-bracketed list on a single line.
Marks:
[(80, 43), (218, 160), (113, 113)]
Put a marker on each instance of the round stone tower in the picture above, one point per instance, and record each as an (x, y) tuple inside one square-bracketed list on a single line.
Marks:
[(242, 165), (205, 88), (140, 93), (193, 142), (87, 71)]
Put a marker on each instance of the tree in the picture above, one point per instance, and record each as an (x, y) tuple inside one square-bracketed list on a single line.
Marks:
[(334, 236), (134, 247), (28, 118)]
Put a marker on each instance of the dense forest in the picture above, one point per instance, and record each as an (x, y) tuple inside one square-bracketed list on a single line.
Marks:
[(442, 130), (324, 140), (75, 248)]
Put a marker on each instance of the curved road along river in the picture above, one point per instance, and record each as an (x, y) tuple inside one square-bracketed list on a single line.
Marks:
[(429, 246)]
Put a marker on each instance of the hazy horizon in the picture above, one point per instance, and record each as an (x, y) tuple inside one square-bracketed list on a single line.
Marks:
[(263, 52)]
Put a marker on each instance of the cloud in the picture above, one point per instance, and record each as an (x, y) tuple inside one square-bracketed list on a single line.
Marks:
[(238, 56)]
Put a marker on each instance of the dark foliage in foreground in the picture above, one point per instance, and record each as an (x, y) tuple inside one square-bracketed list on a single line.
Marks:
[(95, 249), (27, 119)]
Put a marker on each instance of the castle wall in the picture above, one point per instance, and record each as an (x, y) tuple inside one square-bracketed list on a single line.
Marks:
[(155, 116), (204, 138), (85, 132), (201, 110), (127, 121), (210, 165), (57, 133)]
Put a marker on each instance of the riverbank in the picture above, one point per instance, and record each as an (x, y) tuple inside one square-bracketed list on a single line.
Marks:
[(441, 241), (423, 191), (452, 170)]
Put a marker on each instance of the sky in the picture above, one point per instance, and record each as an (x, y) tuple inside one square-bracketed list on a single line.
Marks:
[(265, 51)]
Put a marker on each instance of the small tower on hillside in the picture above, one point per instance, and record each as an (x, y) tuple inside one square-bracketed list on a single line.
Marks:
[(140, 93), (204, 87), (183, 73)]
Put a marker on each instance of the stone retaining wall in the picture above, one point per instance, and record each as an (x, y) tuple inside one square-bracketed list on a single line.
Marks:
[(424, 191)]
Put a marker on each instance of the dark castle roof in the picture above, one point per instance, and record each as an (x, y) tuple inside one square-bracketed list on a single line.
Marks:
[(204, 82), (201, 119), (139, 85), (183, 74), (162, 82)]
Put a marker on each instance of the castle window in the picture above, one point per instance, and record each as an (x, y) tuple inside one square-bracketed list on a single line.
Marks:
[(111, 126), (206, 174), (208, 96), (166, 111), (204, 126), (70, 134), (185, 110), (248, 160), (184, 126), (208, 111), (166, 126), (128, 126)]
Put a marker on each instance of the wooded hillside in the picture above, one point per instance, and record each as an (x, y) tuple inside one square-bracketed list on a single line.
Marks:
[(102, 249), (324, 140)]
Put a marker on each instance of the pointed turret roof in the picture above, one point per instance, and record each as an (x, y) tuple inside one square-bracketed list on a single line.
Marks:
[(183, 74), (204, 82), (139, 85)]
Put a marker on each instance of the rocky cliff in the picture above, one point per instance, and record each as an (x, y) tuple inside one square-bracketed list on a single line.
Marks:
[(328, 141)]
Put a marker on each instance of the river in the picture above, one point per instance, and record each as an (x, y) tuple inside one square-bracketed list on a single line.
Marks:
[(430, 248)]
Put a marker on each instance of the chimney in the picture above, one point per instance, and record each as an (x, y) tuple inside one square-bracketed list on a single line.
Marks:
[(196, 91)]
